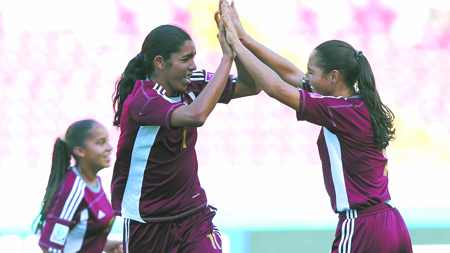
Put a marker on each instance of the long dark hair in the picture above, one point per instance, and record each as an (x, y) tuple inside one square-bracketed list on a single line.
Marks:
[(76, 136), (163, 40), (355, 69)]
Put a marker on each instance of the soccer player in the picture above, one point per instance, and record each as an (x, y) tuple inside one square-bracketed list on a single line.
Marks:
[(75, 215), (160, 101), (356, 129)]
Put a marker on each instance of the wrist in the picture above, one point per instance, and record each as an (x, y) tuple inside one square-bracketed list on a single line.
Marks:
[(227, 58), (245, 38)]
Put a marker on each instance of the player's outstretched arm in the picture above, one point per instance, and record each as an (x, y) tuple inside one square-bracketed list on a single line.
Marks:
[(283, 67), (263, 75), (245, 85), (195, 114)]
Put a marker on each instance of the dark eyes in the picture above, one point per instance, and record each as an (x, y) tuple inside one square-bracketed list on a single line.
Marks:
[(102, 142)]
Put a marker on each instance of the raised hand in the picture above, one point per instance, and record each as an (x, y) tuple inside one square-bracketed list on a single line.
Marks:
[(237, 22), (227, 14), (227, 50)]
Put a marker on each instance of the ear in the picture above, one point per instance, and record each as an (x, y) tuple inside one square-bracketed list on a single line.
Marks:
[(335, 75), (78, 151), (159, 62)]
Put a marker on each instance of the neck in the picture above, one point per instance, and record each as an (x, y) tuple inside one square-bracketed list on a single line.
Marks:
[(343, 91), (161, 81), (88, 175)]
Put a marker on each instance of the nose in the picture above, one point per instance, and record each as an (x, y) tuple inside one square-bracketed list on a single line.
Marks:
[(193, 66), (109, 147)]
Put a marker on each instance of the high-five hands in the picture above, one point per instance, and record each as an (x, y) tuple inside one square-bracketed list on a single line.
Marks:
[(227, 50), (227, 15)]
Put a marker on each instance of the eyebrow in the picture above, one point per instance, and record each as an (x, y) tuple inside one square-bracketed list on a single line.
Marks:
[(190, 55)]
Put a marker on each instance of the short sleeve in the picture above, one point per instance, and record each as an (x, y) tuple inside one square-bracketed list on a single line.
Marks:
[(148, 107), (326, 111), (201, 78)]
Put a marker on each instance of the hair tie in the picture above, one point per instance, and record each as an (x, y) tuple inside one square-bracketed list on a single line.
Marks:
[(358, 54), (139, 56), (63, 138)]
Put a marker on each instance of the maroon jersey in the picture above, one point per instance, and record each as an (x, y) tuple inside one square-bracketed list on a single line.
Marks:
[(79, 218), (354, 167), (155, 174)]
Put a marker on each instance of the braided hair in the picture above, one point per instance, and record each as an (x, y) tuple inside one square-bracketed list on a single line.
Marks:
[(76, 136)]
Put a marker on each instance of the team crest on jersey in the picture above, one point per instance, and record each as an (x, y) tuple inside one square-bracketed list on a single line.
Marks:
[(59, 234)]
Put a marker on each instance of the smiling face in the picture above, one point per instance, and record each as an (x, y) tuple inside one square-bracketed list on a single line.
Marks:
[(97, 149), (321, 83), (178, 70)]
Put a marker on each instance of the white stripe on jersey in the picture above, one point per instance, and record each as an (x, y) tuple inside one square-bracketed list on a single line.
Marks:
[(70, 197), (337, 172), (141, 150), (74, 199), (198, 76), (76, 235), (161, 91), (192, 95)]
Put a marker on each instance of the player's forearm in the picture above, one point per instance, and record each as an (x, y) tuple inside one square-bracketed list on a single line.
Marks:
[(283, 67), (245, 85), (208, 98), (264, 76)]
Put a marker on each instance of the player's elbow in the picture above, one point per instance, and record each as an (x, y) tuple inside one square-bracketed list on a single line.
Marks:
[(273, 89), (197, 120)]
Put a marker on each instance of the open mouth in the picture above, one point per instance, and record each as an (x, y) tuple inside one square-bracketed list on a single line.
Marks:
[(188, 78)]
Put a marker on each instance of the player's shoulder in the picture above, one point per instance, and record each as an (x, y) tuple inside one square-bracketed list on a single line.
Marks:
[(146, 89), (72, 180), (330, 99), (199, 74)]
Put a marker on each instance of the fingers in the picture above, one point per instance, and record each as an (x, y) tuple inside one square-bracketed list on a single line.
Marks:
[(235, 13), (217, 18)]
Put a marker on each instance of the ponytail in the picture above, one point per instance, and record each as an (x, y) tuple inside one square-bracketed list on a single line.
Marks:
[(75, 136), (382, 117), (358, 77), (135, 70), (60, 165)]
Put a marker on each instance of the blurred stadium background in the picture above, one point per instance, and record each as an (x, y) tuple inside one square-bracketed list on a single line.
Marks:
[(59, 61)]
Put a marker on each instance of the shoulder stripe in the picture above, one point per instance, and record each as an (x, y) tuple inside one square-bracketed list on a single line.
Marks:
[(74, 199), (162, 92), (70, 197), (198, 76)]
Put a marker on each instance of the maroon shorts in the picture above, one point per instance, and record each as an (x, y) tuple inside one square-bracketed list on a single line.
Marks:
[(378, 228), (195, 233)]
